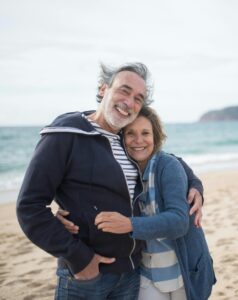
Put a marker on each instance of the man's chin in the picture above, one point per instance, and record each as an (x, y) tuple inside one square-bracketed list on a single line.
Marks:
[(121, 124)]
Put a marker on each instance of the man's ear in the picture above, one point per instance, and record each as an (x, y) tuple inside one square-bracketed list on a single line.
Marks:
[(102, 90)]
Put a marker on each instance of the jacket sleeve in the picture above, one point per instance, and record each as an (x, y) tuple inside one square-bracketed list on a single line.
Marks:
[(42, 179), (193, 180), (173, 221)]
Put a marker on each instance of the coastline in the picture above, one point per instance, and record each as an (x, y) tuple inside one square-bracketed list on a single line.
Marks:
[(27, 272)]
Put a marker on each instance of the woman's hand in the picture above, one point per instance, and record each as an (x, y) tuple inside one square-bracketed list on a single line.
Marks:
[(113, 222), (195, 198), (70, 226)]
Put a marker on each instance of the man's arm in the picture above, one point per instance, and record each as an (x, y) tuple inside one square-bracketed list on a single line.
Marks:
[(44, 175), (195, 193), (193, 180)]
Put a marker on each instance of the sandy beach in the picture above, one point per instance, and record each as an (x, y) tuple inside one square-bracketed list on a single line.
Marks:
[(27, 272)]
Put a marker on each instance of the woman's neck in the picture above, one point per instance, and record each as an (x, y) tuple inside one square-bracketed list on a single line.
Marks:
[(142, 165)]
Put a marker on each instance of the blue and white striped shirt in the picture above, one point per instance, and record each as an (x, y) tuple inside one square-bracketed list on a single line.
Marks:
[(129, 170)]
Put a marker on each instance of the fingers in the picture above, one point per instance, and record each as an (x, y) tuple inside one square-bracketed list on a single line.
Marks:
[(105, 216), (195, 198), (62, 212), (70, 226), (104, 221), (191, 195), (105, 226), (74, 229), (198, 218), (194, 208), (106, 260)]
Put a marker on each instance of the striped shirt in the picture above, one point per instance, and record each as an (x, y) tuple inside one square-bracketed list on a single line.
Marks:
[(159, 260), (129, 170)]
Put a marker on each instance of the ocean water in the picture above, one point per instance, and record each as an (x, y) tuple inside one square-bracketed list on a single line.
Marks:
[(204, 146)]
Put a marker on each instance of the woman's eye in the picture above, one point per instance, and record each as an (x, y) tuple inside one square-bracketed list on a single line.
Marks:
[(145, 133), (129, 133)]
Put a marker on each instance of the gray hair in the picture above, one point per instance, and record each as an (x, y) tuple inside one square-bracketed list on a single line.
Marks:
[(107, 75)]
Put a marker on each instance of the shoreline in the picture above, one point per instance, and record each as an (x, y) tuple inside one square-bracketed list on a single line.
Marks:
[(27, 272)]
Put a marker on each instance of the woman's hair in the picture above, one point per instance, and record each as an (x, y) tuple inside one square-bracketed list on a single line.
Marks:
[(157, 127), (107, 75)]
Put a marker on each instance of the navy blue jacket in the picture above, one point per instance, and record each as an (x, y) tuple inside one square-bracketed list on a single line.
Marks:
[(74, 165)]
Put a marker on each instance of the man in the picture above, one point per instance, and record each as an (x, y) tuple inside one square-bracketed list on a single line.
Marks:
[(80, 162)]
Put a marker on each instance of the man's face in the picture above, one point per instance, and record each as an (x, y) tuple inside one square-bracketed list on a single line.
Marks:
[(123, 100)]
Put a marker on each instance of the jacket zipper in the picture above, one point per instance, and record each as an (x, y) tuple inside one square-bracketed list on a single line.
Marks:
[(131, 200)]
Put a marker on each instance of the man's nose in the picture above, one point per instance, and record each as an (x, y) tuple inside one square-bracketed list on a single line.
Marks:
[(129, 101)]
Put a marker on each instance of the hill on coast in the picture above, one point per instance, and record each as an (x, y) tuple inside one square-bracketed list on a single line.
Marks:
[(226, 114)]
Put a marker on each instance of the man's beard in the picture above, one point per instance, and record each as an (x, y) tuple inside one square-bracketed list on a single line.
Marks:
[(118, 123)]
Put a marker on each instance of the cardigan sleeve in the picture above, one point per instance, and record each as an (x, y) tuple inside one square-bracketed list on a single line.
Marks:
[(171, 190)]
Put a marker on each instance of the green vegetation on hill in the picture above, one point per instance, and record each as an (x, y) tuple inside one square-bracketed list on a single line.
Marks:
[(226, 114)]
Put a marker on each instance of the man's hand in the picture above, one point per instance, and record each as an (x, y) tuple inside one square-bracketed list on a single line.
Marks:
[(113, 222), (195, 198), (70, 226), (92, 269)]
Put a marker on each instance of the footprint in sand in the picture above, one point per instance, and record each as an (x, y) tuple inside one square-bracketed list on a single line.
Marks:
[(223, 242), (32, 272), (18, 281)]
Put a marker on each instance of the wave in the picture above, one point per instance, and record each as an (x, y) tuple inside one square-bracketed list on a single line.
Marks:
[(212, 161)]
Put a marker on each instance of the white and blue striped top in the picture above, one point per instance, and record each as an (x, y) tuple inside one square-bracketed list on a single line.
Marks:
[(128, 168)]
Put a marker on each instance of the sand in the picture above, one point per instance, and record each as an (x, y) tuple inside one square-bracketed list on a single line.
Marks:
[(27, 272)]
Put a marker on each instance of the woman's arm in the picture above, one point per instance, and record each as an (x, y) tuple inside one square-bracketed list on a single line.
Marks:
[(172, 223)]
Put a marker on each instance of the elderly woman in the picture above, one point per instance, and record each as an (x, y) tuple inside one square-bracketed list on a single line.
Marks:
[(176, 264)]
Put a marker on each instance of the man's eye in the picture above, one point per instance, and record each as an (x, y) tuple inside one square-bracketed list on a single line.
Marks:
[(125, 92), (139, 100)]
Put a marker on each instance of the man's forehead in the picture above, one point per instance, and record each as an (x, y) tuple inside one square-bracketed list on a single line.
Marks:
[(130, 79)]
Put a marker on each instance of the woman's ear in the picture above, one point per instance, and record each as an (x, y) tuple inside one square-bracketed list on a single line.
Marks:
[(102, 90)]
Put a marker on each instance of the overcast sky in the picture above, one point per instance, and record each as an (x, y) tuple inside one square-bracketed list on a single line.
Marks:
[(50, 53)]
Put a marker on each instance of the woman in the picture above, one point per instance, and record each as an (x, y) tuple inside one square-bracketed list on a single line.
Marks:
[(176, 263)]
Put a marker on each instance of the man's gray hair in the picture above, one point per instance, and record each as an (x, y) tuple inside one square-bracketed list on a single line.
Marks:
[(107, 75)]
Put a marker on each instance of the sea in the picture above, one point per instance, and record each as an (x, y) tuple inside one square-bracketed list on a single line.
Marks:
[(204, 146)]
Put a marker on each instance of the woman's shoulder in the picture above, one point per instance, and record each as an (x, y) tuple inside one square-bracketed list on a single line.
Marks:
[(164, 157), (166, 161)]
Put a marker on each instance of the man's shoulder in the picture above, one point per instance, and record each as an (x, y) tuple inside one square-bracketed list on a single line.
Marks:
[(70, 119), (73, 122), (74, 119)]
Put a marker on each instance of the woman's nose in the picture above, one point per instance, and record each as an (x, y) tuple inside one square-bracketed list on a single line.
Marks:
[(138, 139)]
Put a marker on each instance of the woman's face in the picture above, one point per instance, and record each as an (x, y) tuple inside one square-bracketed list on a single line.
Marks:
[(139, 140)]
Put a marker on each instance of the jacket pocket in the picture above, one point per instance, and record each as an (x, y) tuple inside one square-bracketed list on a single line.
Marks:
[(104, 243), (202, 278)]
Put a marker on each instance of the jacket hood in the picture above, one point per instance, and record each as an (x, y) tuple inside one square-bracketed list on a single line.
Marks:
[(72, 122)]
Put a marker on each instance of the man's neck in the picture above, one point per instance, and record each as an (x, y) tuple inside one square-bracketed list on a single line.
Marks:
[(98, 118)]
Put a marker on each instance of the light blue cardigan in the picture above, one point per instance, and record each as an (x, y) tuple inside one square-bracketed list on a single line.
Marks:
[(166, 176)]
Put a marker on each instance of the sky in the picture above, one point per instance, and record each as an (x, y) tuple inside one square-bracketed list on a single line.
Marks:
[(50, 52)]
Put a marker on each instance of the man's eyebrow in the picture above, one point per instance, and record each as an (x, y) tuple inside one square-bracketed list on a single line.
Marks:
[(130, 88)]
